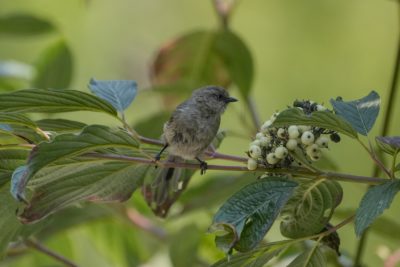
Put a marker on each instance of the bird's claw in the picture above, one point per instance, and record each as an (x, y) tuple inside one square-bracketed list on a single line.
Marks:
[(203, 167)]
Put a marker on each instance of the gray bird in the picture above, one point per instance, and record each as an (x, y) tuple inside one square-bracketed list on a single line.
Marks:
[(187, 134), (194, 124)]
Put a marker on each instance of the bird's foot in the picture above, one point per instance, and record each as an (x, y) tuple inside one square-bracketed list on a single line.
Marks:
[(203, 166)]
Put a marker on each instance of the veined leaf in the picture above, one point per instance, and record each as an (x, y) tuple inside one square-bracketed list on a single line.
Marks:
[(10, 159), (60, 125), (64, 146), (52, 101), (250, 212), (24, 24), (389, 144), (17, 119), (62, 185), (310, 208), (360, 113), (323, 119), (375, 201), (54, 67), (312, 257), (118, 93)]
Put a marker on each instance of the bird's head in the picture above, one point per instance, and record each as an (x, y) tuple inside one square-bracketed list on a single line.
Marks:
[(213, 98)]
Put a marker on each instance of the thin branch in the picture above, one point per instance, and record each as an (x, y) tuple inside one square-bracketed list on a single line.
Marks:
[(376, 160), (41, 248), (145, 224), (295, 171)]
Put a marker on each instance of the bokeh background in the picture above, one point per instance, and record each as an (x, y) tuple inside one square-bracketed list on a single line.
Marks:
[(310, 49)]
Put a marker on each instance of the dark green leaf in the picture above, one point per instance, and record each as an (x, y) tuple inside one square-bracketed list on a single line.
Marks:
[(310, 208), (389, 144), (184, 246), (54, 67), (64, 146), (375, 201), (60, 125), (203, 58), (360, 113), (118, 93), (17, 119), (52, 101), (24, 24), (59, 186), (251, 211), (323, 119), (312, 257)]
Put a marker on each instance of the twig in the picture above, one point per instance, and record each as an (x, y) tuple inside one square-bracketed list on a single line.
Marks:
[(145, 224), (295, 171), (39, 247), (253, 112)]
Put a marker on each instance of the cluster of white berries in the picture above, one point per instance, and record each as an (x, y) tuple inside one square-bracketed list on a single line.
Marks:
[(272, 145)]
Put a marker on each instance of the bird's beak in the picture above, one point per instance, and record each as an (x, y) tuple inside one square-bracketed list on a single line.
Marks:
[(230, 99)]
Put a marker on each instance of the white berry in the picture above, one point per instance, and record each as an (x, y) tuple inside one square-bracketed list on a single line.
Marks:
[(281, 133), (255, 143), (265, 140), (265, 126), (293, 131), (251, 164), (255, 151), (259, 135), (307, 138), (322, 141), (291, 144), (281, 152), (321, 108), (272, 159), (312, 150)]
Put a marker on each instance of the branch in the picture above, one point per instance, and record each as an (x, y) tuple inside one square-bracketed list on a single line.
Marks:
[(39, 247), (295, 171)]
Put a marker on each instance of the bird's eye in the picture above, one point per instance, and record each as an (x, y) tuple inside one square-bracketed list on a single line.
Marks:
[(220, 97)]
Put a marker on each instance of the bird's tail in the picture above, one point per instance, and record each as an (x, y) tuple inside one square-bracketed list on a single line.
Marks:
[(165, 187)]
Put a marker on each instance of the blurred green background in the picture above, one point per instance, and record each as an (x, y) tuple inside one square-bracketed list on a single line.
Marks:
[(310, 49)]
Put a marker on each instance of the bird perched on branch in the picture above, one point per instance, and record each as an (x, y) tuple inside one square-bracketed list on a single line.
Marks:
[(194, 124), (187, 134)]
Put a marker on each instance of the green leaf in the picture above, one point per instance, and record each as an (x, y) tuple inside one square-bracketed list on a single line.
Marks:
[(323, 119), (375, 201), (24, 24), (62, 185), (184, 246), (10, 159), (257, 257), (9, 224), (54, 67), (312, 257), (360, 113), (60, 125), (17, 119), (397, 168), (202, 58), (52, 101), (118, 93), (251, 211), (64, 146), (388, 144), (310, 208)]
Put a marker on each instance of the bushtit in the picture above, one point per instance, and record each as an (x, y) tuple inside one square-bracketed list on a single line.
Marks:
[(187, 134), (194, 124)]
